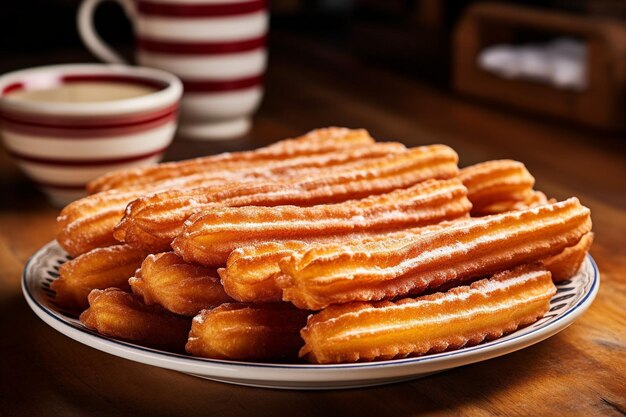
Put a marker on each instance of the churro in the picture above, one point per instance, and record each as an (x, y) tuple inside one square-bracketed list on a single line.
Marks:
[(462, 316), (154, 221), (247, 332), (331, 226), (89, 222), (496, 181), (98, 269), (331, 274), (533, 199), (185, 289), (564, 265), (121, 315), (314, 142), (210, 236), (250, 271)]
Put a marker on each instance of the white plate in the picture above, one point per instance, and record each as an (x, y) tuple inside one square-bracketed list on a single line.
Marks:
[(573, 297)]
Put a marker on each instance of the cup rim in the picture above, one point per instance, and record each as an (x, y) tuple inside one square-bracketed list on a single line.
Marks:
[(170, 93)]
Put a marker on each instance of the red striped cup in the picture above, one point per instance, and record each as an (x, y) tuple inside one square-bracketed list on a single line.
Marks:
[(68, 124), (217, 48)]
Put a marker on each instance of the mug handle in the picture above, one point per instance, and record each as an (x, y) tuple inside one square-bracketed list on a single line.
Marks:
[(88, 32)]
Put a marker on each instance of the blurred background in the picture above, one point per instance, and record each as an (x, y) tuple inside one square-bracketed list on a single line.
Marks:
[(439, 42), (421, 71), (413, 36)]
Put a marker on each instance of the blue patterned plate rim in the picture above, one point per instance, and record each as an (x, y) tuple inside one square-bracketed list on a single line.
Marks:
[(509, 339)]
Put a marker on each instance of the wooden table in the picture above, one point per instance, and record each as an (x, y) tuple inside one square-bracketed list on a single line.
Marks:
[(580, 371)]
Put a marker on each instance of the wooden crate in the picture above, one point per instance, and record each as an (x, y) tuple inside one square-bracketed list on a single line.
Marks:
[(601, 104)]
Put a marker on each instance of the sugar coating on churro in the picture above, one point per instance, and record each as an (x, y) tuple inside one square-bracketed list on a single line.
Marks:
[(493, 182), (327, 223), (462, 316), (314, 142), (330, 274), (210, 236), (157, 219), (250, 272), (87, 223)]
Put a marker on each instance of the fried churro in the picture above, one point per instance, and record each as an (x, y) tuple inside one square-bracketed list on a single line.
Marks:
[(462, 316), (250, 271), (533, 199), (89, 222), (495, 181), (314, 142), (564, 265), (211, 235), (247, 332), (154, 221), (185, 289), (332, 274), (98, 269), (329, 225), (115, 313), (79, 233)]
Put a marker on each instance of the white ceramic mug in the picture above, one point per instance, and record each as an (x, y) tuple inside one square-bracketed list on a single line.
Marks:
[(217, 48)]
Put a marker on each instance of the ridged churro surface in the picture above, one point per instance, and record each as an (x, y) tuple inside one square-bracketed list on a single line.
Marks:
[(330, 226), (89, 222), (211, 235), (533, 199), (185, 289), (98, 269), (247, 332), (250, 271), (332, 274), (115, 313), (462, 316), (496, 181), (565, 264), (157, 219), (314, 142)]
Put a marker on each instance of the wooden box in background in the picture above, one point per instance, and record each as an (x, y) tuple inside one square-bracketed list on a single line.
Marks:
[(601, 104)]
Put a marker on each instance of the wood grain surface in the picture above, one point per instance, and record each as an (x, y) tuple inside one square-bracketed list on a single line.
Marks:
[(580, 371)]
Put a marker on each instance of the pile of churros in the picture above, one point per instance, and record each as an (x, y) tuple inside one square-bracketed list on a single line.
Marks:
[(328, 248)]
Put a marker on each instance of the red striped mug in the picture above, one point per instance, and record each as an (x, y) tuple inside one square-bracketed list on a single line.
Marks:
[(217, 48), (68, 124)]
